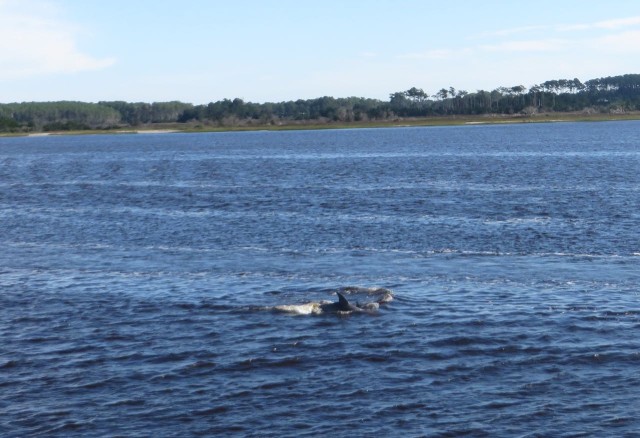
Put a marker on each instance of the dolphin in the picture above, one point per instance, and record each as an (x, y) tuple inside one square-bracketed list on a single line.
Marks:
[(342, 306)]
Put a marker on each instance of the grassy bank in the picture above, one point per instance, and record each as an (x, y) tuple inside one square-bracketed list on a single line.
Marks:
[(407, 122), (307, 125)]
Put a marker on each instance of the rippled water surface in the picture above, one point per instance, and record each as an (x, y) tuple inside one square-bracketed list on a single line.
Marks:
[(140, 278)]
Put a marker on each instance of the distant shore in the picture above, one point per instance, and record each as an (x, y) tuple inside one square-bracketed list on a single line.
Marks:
[(168, 128)]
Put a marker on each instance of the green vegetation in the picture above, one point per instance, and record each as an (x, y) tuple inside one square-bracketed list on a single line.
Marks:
[(40, 116), (563, 98)]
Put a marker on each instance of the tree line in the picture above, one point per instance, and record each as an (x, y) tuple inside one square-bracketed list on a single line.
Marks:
[(613, 93)]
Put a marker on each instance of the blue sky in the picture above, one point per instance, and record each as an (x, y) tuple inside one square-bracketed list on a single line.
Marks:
[(205, 50)]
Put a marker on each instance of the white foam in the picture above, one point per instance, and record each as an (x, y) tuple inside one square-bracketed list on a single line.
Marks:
[(301, 309)]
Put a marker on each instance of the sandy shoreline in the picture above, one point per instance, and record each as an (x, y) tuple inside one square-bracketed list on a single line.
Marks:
[(148, 131), (137, 131)]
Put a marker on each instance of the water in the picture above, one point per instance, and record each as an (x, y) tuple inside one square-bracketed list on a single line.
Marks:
[(139, 276)]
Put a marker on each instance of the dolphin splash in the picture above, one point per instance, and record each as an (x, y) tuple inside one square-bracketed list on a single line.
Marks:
[(342, 306)]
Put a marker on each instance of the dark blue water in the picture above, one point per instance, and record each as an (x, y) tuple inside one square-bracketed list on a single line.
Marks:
[(139, 273)]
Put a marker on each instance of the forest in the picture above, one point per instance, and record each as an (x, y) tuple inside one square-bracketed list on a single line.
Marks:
[(613, 94)]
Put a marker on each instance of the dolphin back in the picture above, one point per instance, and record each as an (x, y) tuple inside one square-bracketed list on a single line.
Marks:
[(343, 303)]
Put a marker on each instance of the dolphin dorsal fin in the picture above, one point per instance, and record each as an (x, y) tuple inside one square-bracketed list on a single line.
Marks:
[(343, 303)]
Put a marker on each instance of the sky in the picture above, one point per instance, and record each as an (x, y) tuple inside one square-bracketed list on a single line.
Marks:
[(201, 51)]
